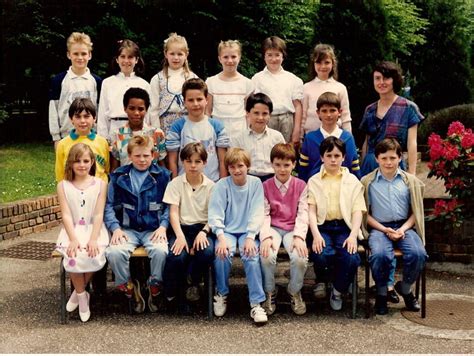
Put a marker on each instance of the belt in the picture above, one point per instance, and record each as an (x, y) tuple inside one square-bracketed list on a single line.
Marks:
[(334, 223), (119, 118)]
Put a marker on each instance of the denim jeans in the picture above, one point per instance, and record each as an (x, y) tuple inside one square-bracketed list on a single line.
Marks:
[(382, 255), (334, 264), (298, 265), (119, 256), (253, 272), (178, 266)]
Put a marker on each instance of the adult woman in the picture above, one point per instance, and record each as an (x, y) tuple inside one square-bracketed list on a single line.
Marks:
[(391, 116)]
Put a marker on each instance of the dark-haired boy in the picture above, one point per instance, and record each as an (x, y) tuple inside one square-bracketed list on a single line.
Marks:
[(82, 114), (259, 139), (395, 201), (136, 102)]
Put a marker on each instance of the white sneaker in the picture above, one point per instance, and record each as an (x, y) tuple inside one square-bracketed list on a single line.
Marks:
[(335, 301), (220, 304), (270, 303), (258, 314), (73, 302), (319, 290), (297, 303)]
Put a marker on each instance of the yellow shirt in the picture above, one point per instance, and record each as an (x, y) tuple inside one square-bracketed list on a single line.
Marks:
[(97, 143), (332, 185)]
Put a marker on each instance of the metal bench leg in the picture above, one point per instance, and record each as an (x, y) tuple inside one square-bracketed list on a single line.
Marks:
[(355, 289), (423, 293), (367, 285), (210, 292), (417, 287), (62, 302)]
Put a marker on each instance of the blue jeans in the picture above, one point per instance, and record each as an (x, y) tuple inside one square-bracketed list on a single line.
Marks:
[(382, 255), (177, 266), (298, 264), (334, 264), (119, 256), (253, 272)]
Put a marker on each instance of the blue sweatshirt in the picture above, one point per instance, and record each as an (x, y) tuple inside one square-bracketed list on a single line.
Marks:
[(236, 209)]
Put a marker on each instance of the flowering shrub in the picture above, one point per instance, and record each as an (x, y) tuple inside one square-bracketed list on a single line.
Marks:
[(452, 159)]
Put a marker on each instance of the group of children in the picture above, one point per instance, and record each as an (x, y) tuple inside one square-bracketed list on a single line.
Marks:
[(203, 132)]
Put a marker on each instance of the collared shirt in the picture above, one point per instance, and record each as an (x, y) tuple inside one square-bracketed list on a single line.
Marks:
[(111, 102), (193, 203), (72, 86), (282, 187), (122, 136), (282, 88), (311, 92), (337, 132), (97, 143), (389, 200), (259, 145), (332, 185)]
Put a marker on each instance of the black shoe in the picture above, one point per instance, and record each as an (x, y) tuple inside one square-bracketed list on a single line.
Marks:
[(393, 296), (410, 301), (184, 309), (381, 305)]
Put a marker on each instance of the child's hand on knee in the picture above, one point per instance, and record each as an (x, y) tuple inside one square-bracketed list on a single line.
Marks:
[(350, 244), (300, 245), (200, 242), (159, 235), (265, 246), (118, 237), (318, 244), (72, 248), (250, 249), (92, 248), (179, 244), (221, 249)]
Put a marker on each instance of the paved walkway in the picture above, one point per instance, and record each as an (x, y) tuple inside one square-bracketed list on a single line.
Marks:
[(29, 322)]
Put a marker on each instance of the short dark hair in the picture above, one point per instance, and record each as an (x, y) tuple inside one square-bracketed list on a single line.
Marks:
[(136, 93), (194, 84), (328, 98), (274, 42), (192, 148), (283, 151), (391, 70), (258, 98), (388, 144), (331, 142), (82, 104)]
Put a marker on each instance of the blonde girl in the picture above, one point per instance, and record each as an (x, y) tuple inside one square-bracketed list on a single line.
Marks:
[(128, 64), (167, 104), (83, 238), (323, 71), (229, 90)]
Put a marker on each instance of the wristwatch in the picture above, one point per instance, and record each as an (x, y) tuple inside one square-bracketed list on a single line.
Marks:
[(205, 231)]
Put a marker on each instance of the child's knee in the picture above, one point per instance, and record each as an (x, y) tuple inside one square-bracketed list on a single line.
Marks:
[(298, 262)]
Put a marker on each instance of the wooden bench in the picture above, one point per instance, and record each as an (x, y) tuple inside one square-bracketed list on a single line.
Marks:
[(139, 252)]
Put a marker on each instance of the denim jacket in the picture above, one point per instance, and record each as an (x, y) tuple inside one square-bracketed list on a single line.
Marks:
[(143, 212)]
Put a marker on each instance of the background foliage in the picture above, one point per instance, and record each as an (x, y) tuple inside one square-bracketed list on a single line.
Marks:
[(431, 39)]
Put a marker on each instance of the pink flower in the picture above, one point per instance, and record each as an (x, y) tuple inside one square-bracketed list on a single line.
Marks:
[(468, 139), (440, 207), (451, 151), (436, 151), (434, 139), (456, 128)]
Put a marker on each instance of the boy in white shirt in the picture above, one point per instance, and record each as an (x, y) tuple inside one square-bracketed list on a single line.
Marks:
[(284, 89), (259, 139)]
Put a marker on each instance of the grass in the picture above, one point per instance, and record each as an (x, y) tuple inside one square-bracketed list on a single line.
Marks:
[(26, 171)]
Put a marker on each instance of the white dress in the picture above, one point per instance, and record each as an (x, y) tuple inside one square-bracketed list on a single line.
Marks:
[(82, 204)]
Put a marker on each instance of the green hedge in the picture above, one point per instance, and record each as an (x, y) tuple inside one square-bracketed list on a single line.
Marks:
[(439, 121)]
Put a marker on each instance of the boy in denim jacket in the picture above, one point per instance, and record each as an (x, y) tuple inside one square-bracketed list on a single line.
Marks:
[(136, 216)]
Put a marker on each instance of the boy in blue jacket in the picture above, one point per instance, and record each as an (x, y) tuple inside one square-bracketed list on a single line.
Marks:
[(136, 216)]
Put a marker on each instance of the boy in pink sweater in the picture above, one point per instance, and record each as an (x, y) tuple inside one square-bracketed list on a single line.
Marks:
[(286, 218)]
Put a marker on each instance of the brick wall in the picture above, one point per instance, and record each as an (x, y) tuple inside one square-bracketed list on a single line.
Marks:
[(28, 216)]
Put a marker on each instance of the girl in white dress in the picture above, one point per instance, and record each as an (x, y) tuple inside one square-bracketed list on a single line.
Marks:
[(128, 64), (229, 90), (83, 238)]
